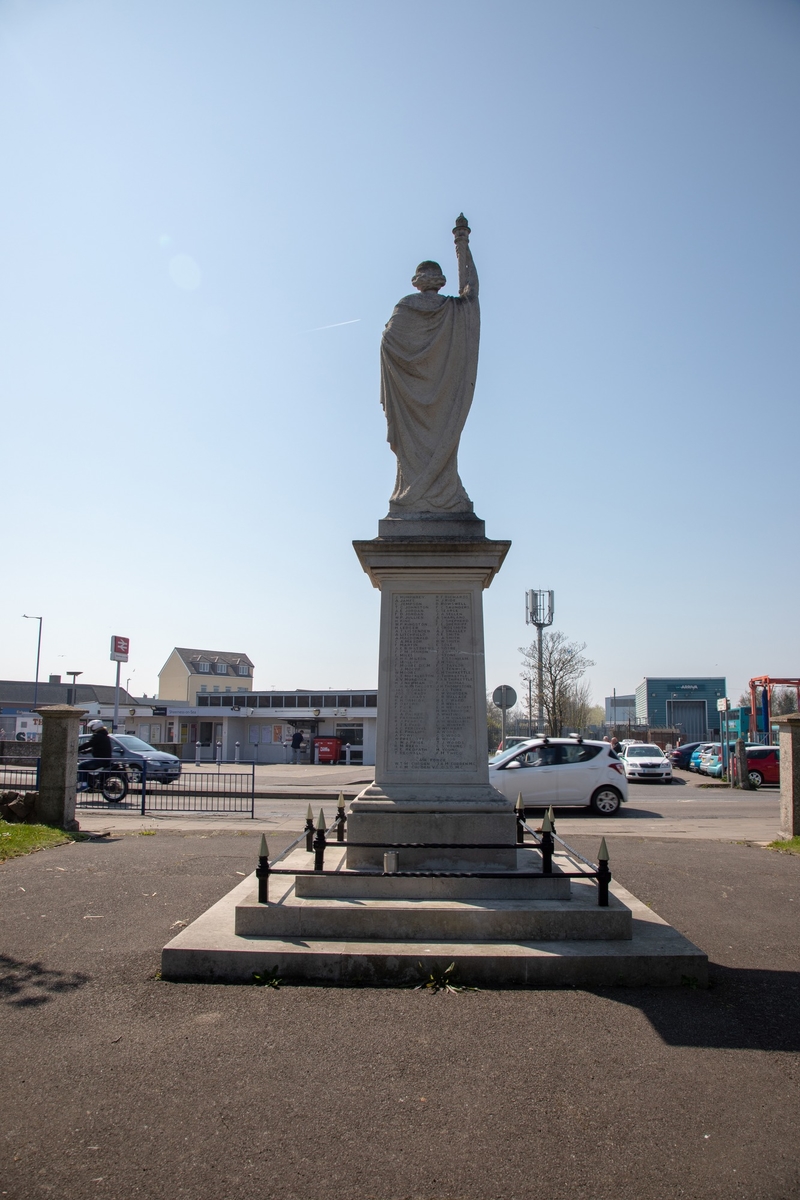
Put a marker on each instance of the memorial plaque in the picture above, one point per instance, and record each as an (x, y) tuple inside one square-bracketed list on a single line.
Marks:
[(431, 719)]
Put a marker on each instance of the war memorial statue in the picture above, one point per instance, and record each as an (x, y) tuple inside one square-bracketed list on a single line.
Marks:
[(432, 561), (429, 361)]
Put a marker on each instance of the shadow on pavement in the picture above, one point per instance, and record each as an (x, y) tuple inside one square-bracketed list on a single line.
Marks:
[(742, 1010), (29, 984)]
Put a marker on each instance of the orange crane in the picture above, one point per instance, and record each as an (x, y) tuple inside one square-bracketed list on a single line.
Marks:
[(768, 683)]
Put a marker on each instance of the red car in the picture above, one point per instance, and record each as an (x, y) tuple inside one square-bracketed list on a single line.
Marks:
[(763, 764)]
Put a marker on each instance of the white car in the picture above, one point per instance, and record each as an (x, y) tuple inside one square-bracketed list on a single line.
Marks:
[(646, 762), (561, 772)]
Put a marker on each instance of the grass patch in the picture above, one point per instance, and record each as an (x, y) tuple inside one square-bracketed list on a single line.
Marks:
[(787, 845), (16, 840)]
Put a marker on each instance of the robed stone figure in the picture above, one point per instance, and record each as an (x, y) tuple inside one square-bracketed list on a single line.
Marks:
[(429, 361)]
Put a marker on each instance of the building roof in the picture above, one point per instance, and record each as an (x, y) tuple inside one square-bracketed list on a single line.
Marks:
[(190, 658), (20, 692)]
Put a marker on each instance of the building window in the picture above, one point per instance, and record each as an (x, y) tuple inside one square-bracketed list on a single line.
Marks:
[(203, 687), (203, 668), (244, 669), (221, 668)]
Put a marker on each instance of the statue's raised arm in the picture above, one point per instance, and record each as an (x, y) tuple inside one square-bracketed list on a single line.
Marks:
[(467, 275), (429, 361)]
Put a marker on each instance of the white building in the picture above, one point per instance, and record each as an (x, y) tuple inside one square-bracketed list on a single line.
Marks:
[(263, 724)]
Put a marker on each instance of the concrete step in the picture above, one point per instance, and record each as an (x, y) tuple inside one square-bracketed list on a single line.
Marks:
[(292, 916), (210, 951)]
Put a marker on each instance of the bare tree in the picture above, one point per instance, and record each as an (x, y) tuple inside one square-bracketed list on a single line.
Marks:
[(565, 696)]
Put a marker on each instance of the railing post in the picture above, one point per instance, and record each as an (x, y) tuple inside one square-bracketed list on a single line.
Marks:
[(341, 818), (219, 754), (143, 780), (197, 754), (262, 872), (253, 793), (520, 811), (320, 843), (603, 875), (38, 771), (347, 754), (236, 753), (547, 846), (552, 817), (309, 830)]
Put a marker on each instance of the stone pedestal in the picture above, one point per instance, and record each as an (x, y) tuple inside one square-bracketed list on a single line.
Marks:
[(58, 772), (431, 768), (790, 774)]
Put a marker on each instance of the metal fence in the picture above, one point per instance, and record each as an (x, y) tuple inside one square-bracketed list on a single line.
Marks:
[(231, 789), (205, 791), (15, 777)]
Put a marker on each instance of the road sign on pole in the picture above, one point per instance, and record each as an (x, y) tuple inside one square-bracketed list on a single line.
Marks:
[(119, 648), (504, 697)]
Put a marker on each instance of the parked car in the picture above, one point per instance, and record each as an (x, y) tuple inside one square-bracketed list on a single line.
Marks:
[(694, 758), (646, 762), (764, 764), (681, 754), (710, 755), (508, 743), (561, 772), (133, 752)]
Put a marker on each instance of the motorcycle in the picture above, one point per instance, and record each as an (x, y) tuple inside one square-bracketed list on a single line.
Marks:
[(111, 781)]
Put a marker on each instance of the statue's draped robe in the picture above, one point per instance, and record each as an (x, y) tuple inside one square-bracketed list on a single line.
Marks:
[(429, 361)]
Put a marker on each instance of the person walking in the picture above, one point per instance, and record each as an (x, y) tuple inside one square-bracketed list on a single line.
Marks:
[(298, 744)]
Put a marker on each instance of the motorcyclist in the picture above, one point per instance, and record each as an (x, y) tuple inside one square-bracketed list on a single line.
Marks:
[(98, 748)]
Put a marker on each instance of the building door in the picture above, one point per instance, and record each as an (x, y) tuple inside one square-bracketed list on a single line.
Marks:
[(689, 717)]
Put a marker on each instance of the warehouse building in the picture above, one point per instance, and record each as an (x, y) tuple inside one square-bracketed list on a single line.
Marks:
[(687, 705)]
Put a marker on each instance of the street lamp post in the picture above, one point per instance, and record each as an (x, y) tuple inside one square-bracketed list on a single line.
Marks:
[(28, 617), (74, 675)]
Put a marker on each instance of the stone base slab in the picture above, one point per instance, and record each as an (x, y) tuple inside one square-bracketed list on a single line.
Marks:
[(497, 828), (210, 951)]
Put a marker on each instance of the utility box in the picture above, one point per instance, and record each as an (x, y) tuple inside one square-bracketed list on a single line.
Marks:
[(327, 750)]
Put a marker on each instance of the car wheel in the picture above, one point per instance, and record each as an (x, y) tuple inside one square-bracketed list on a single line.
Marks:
[(605, 801), (756, 778)]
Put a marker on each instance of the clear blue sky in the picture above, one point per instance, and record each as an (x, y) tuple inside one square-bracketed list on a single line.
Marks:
[(193, 191)]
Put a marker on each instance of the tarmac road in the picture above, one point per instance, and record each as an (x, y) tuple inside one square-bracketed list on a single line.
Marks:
[(115, 1084), (684, 809)]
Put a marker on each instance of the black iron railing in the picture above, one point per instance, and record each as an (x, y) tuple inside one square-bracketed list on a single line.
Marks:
[(544, 840)]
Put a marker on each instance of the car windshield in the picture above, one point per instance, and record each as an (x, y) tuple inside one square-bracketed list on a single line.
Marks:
[(132, 743), (644, 752)]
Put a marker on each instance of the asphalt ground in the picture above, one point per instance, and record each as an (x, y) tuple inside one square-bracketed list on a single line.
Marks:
[(115, 1083), (686, 808)]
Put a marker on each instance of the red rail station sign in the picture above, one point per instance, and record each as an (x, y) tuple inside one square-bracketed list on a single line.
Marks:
[(119, 648)]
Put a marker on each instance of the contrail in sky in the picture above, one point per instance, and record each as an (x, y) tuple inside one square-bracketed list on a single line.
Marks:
[(335, 325)]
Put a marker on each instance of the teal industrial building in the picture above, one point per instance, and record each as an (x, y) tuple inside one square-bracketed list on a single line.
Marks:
[(688, 705)]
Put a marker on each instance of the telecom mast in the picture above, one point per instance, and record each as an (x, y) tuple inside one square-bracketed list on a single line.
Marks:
[(539, 608)]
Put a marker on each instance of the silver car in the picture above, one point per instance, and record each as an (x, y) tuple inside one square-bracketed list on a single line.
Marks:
[(134, 753), (561, 772)]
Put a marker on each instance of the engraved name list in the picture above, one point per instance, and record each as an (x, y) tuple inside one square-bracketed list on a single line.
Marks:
[(431, 716)]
